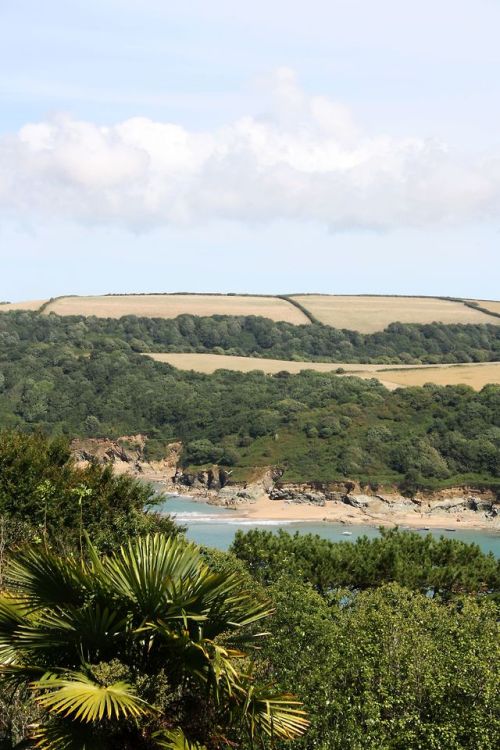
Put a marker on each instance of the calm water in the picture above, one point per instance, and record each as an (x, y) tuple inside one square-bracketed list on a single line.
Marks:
[(216, 527)]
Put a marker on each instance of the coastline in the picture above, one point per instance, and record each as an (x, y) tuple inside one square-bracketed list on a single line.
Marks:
[(336, 512), (269, 498), (262, 508)]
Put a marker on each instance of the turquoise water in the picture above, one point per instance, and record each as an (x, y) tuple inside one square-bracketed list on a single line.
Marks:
[(216, 527)]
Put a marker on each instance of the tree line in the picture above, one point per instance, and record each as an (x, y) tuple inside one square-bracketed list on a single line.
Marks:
[(432, 343), (311, 426)]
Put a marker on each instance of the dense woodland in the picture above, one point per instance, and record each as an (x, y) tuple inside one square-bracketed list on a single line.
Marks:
[(385, 643), (58, 379), (255, 336), (393, 642)]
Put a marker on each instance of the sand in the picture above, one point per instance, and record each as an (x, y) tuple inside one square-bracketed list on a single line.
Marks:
[(266, 509)]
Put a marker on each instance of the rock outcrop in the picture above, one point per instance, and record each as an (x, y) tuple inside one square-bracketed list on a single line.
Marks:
[(215, 484)]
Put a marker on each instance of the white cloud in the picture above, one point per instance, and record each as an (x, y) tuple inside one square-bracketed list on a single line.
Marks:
[(308, 160)]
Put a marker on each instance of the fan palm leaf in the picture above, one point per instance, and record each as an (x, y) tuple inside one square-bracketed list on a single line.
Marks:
[(165, 577), (273, 715), (65, 735), (13, 614), (42, 578), (90, 631), (175, 739), (82, 633), (80, 698)]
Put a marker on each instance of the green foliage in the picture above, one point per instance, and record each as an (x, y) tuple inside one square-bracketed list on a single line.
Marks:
[(256, 336), (45, 496), (203, 452), (121, 651), (388, 668), (444, 567), (76, 376)]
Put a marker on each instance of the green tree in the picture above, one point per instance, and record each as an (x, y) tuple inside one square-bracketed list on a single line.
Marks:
[(144, 649), (440, 567), (387, 669), (45, 495)]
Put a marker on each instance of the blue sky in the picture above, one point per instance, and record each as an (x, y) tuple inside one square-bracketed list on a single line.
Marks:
[(341, 146)]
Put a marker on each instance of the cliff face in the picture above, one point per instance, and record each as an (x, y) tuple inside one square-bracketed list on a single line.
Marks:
[(128, 450), (128, 455)]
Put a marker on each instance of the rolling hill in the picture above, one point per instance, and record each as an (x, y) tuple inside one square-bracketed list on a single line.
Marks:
[(362, 313)]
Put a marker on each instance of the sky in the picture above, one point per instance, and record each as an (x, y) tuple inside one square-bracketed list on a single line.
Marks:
[(336, 146)]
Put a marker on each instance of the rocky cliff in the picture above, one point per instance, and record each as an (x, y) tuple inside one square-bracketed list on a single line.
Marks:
[(128, 454)]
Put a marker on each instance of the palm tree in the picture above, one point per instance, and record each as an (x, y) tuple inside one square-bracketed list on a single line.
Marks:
[(146, 648)]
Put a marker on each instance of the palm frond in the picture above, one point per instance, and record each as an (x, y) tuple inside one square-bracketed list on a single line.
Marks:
[(13, 615), (277, 716), (42, 578), (152, 571), (175, 739), (78, 697), (164, 577), (90, 632)]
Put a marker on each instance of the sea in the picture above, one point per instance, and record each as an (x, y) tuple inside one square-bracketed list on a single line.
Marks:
[(213, 526)]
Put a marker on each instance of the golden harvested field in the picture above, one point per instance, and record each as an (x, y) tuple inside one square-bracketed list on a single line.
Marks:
[(172, 305), (370, 314), (488, 305), (32, 304), (208, 363), (475, 375)]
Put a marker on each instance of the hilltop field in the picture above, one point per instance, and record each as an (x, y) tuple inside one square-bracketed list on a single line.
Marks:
[(362, 313), (368, 314), (172, 305), (363, 335)]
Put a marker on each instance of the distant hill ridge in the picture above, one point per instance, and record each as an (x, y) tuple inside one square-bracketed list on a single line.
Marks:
[(366, 313)]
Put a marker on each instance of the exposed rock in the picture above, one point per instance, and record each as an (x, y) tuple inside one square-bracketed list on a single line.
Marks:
[(460, 504), (215, 484), (481, 505), (297, 496), (358, 501)]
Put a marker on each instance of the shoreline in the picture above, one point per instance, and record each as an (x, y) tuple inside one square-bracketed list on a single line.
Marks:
[(270, 498), (263, 509)]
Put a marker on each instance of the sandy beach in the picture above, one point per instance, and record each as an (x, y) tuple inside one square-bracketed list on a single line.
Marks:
[(265, 509)]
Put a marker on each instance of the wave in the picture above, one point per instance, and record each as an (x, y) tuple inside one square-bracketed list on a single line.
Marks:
[(196, 517), (256, 522)]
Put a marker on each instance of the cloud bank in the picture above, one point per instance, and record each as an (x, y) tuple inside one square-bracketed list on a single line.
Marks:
[(307, 161)]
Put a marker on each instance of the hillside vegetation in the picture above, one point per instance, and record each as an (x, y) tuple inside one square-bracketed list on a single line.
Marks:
[(254, 336), (77, 377)]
